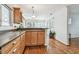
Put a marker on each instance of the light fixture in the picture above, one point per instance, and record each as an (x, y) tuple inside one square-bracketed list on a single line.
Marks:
[(33, 15)]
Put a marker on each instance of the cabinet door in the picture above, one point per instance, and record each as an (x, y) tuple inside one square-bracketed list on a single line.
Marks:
[(34, 37), (41, 37), (17, 15), (28, 38)]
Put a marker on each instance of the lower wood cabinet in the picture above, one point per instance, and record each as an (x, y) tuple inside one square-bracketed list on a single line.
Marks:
[(41, 38), (14, 47), (28, 38), (22, 43), (5, 49), (35, 37)]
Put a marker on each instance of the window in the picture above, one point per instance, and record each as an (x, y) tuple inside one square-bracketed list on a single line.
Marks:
[(5, 19)]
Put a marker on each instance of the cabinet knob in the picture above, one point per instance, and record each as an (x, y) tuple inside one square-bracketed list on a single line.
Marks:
[(14, 51), (14, 43)]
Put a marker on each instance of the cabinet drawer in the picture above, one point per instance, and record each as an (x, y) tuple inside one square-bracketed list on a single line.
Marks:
[(17, 40), (15, 49), (9, 46)]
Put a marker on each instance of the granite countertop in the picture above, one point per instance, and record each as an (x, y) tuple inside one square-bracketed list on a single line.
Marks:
[(8, 36)]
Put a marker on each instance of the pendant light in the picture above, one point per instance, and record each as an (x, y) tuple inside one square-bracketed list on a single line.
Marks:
[(33, 15)]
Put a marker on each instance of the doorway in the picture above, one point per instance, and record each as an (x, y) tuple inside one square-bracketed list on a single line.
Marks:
[(73, 25)]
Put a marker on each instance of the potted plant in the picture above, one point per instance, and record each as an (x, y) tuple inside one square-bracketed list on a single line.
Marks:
[(52, 34), (20, 27)]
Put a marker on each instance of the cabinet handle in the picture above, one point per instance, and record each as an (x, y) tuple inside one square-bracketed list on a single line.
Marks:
[(14, 51), (14, 43)]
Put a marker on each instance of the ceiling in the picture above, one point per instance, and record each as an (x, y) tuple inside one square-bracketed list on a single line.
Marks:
[(41, 11)]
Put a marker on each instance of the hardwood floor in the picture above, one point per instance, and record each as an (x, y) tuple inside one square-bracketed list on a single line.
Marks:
[(35, 50), (55, 47), (75, 42)]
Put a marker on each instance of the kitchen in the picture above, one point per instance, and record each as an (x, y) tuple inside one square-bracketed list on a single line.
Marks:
[(26, 26), (36, 29), (15, 33)]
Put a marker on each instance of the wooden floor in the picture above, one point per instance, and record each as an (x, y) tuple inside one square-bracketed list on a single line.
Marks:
[(55, 47), (35, 50)]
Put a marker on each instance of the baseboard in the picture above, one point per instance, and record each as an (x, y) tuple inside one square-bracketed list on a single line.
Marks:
[(74, 37), (62, 43)]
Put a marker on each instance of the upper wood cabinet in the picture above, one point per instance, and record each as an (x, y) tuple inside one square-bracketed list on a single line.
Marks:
[(17, 15)]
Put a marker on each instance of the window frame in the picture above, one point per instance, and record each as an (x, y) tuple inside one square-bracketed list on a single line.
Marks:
[(9, 9)]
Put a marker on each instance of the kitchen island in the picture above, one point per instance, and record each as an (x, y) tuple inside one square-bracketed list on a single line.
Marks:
[(36, 32)]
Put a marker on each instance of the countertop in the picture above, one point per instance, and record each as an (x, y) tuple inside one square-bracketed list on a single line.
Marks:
[(35, 28), (8, 36), (25, 28)]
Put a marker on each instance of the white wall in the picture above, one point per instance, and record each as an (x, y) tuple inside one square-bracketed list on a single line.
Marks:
[(74, 15), (60, 25)]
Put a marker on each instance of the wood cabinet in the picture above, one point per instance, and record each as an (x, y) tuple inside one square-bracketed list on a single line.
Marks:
[(17, 15), (22, 43), (41, 38), (16, 46), (7, 48), (15, 49), (28, 38), (35, 37)]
